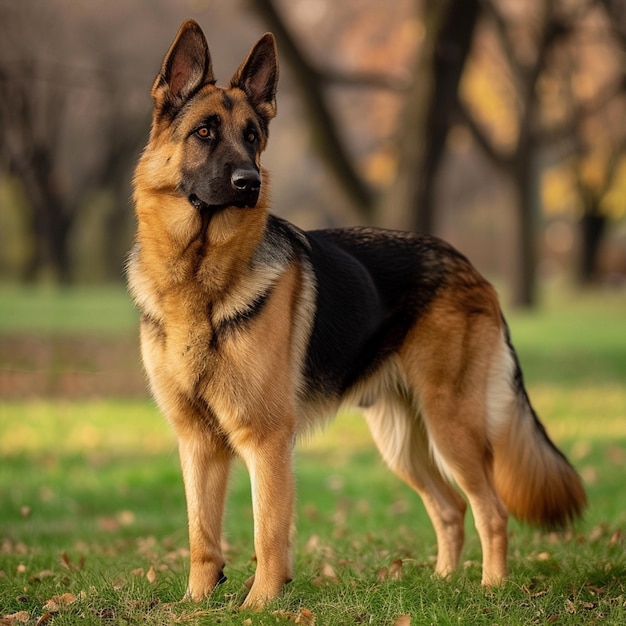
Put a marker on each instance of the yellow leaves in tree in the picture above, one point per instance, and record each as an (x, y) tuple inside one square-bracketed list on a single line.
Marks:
[(558, 191)]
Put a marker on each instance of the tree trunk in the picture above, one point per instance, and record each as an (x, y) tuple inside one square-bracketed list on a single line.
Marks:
[(451, 51), (398, 204), (525, 281), (50, 224), (592, 228)]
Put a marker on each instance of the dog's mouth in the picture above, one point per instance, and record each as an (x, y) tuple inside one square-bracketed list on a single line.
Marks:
[(205, 207), (198, 204)]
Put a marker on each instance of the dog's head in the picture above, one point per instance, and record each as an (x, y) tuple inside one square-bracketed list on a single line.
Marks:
[(214, 135)]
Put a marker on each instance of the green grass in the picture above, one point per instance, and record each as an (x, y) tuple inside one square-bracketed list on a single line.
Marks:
[(65, 310), (92, 505)]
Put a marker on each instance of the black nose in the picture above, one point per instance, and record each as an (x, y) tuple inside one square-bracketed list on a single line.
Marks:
[(246, 180)]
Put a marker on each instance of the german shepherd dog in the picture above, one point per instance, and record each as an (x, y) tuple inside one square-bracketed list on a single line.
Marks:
[(253, 330)]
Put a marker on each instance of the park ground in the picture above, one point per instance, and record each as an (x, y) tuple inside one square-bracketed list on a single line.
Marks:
[(92, 513)]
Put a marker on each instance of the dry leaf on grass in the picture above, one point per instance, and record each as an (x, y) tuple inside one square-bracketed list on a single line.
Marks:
[(304, 617), (56, 603), (393, 572), (67, 563), (151, 575), (42, 575), (328, 573), (15, 618), (402, 620)]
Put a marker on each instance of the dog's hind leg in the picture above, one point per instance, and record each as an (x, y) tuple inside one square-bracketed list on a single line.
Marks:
[(465, 452), (446, 361), (402, 440)]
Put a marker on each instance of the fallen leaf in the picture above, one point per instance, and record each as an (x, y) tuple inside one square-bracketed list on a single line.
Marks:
[(382, 575), (151, 575), (44, 618), (306, 618), (290, 617), (67, 563), (596, 533), (402, 620), (395, 570), (570, 607), (126, 518), (598, 591), (37, 578), (14, 618), (55, 603), (328, 572)]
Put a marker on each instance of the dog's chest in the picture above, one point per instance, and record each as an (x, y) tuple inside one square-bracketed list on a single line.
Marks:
[(177, 351)]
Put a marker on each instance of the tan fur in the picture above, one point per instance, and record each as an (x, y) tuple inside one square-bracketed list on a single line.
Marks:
[(441, 407)]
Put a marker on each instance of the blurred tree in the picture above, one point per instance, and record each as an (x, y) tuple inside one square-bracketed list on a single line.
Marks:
[(538, 85), (68, 135), (431, 108), (593, 190), (561, 98), (517, 156), (485, 63), (430, 102), (32, 121)]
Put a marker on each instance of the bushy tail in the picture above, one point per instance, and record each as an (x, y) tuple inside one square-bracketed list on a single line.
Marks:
[(532, 476)]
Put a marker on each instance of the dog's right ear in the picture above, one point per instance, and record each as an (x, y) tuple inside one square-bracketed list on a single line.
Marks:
[(186, 67)]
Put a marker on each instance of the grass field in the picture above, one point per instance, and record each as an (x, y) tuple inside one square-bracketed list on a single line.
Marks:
[(92, 513)]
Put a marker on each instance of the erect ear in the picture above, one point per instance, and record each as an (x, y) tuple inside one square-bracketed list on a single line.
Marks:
[(186, 67), (258, 77)]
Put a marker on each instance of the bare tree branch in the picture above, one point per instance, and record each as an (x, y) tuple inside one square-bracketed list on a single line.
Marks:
[(370, 80), (486, 144), (328, 138)]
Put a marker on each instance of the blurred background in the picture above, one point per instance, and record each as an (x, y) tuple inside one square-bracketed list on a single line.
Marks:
[(499, 125)]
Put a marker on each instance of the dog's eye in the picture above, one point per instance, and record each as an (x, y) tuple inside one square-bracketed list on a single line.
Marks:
[(251, 136), (204, 132)]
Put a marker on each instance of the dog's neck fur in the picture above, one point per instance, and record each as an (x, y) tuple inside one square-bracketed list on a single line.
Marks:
[(193, 248)]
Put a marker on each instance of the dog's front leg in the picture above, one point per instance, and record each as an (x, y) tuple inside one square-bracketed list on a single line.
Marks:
[(205, 462), (270, 464)]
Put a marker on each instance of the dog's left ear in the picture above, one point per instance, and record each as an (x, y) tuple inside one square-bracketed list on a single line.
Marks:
[(258, 77)]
